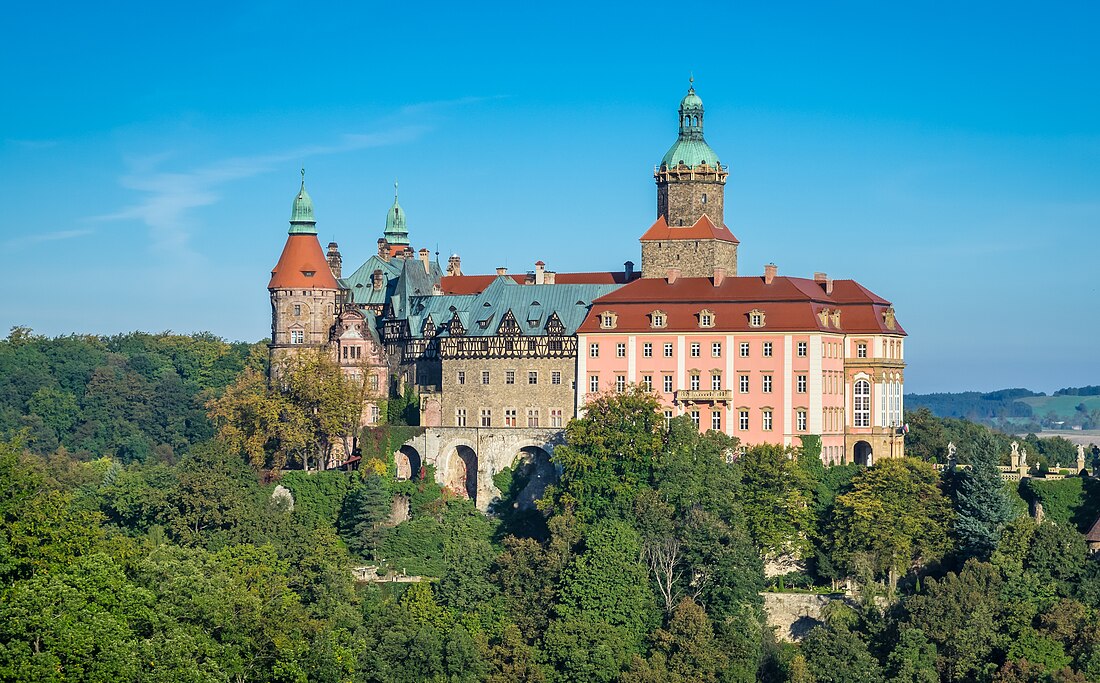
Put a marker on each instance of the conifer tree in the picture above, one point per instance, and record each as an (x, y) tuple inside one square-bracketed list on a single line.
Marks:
[(981, 502)]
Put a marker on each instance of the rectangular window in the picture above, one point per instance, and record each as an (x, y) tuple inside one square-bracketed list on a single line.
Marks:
[(800, 420), (555, 417), (532, 376), (647, 350), (744, 349), (532, 417), (620, 383), (716, 382), (509, 376), (716, 420), (594, 383), (460, 417), (743, 420), (555, 377), (694, 382), (667, 381), (668, 418), (767, 349), (743, 384), (486, 417), (375, 414), (767, 387), (800, 384), (594, 350), (801, 349), (647, 382), (695, 418), (297, 337), (460, 377), (297, 309), (484, 376), (716, 349), (767, 420), (861, 350), (374, 382), (695, 349), (620, 350), (668, 350), (509, 417)]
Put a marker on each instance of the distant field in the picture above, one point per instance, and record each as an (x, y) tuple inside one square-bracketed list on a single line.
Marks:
[(1064, 406), (1084, 437)]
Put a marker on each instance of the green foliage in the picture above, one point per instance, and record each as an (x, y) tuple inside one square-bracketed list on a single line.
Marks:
[(1073, 500), (893, 517), (366, 508), (980, 501), (777, 501), (319, 495)]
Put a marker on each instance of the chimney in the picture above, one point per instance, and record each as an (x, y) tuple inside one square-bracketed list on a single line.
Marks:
[(383, 249), (540, 272), (424, 254), (769, 273), (501, 270), (820, 277), (376, 280), (454, 265), (437, 289), (673, 275), (628, 270), (719, 276), (407, 252), (549, 277), (829, 287), (334, 259)]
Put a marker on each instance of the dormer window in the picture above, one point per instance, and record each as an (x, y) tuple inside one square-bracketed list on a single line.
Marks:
[(756, 318), (608, 320), (706, 318), (658, 319), (308, 273)]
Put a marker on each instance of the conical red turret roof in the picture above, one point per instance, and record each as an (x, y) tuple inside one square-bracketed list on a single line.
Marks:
[(302, 265)]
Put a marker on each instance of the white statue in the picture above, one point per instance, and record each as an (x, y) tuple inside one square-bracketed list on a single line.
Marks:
[(283, 498), (951, 448)]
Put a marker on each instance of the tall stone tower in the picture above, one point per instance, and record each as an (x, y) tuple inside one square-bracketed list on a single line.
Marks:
[(305, 297), (690, 234)]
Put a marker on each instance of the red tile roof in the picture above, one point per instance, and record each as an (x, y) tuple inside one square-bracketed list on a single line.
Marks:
[(301, 255), (789, 304), (703, 229)]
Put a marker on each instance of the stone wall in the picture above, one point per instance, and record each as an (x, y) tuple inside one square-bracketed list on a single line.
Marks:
[(694, 258), (792, 615), (498, 395), (683, 203)]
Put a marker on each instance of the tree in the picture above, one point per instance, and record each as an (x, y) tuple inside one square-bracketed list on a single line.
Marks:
[(839, 656), (981, 504), (913, 659), (609, 454), (366, 509), (776, 501), (893, 517)]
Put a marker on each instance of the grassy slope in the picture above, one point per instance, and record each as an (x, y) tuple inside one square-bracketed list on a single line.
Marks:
[(1064, 406)]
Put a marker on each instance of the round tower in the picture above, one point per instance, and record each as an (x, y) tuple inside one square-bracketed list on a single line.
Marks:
[(305, 297)]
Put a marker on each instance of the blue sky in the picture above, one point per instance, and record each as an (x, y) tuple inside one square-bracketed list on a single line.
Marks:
[(946, 155)]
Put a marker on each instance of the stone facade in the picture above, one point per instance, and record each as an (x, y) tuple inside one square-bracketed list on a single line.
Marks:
[(684, 195), (548, 402), (301, 318), (693, 258)]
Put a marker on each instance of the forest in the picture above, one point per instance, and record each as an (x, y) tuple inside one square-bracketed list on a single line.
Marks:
[(142, 539)]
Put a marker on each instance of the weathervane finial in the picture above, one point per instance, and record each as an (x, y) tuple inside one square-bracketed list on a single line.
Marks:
[(395, 189), (303, 174), (691, 80)]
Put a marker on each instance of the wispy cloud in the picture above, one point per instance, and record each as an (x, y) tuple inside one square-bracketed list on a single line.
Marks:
[(169, 195), (56, 236), (422, 107)]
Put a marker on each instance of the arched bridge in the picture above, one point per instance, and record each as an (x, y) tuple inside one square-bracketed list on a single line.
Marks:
[(466, 458)]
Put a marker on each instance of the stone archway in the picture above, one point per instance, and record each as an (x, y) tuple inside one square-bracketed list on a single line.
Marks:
[(408, 463), (461, 475), (533, 466), (862, 454)]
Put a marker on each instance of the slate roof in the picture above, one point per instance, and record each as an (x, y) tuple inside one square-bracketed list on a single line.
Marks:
[(532, 306), (361, 282)]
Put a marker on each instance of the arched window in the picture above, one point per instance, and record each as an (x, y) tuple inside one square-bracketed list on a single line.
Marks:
[(861, 407)]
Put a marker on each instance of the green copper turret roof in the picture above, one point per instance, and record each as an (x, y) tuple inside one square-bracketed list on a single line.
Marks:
[(690, 148), (397, 230), (302, 221)]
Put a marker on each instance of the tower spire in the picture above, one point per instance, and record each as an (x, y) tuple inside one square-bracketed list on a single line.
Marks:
[(302, 221), (397, 229)]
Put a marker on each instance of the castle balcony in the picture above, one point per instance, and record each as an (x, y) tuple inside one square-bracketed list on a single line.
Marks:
[(704, 396)]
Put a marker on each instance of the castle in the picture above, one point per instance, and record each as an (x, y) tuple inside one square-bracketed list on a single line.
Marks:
[(509, 359)]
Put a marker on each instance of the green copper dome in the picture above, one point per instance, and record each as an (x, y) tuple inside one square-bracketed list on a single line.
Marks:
[(690, 148), (302, 221), (397, 230)]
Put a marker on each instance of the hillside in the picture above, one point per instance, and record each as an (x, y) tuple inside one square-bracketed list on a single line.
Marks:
[(1016, 410)]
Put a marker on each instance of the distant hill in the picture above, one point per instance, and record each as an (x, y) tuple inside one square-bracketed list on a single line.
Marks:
[(1017, 409)]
